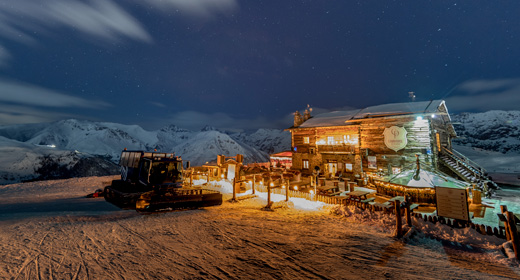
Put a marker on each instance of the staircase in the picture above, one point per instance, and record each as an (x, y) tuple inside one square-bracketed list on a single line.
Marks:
[(466, 169)]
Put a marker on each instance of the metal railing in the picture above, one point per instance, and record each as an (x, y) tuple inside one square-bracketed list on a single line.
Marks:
[(467, 163)]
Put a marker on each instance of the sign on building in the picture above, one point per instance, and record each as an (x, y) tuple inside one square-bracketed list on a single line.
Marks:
[(372, 162), (395, 138), (452, 203)]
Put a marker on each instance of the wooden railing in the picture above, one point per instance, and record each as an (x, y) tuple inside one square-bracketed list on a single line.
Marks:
[(465, 161), (304, 195), (336, 148)]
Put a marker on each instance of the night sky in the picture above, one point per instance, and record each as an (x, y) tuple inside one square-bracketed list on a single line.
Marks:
[(249, 64)]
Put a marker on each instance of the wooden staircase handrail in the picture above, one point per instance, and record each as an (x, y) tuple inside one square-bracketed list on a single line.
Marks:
[(460, 158), (471, 166)]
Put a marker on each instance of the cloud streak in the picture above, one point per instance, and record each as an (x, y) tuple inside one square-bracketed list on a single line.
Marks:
[(26, 103), (196, 8), (485, 95), (26, 94), (99, 18), (13, 114), (4, 56)]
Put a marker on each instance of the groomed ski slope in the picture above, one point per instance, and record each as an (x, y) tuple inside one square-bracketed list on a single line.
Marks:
[(50, 231)]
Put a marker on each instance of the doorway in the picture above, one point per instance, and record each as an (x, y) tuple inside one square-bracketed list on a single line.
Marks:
[(332, 168)]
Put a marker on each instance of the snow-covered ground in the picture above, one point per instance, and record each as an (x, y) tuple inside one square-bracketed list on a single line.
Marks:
[(51, 231)]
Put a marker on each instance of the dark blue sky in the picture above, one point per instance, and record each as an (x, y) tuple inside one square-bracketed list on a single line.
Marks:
[(247, 64)]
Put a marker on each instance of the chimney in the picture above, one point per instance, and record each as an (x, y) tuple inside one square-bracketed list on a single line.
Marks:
[(411, 95), (307, 113), (298, 120)]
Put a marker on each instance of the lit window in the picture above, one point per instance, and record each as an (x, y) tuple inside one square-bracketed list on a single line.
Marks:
[(305, 164), (306, 140), (330, 140)]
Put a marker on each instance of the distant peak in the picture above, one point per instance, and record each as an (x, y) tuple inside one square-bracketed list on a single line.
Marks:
[(173, 128), (209, 128)]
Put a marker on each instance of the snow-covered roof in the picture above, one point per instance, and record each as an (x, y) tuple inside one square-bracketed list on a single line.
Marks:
[(282, 154), (339, 118)]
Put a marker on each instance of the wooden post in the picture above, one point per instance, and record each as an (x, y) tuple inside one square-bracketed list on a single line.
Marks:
[(407, 211), (253, 184), (514, 234), (207, 179), (477, 196), (191, 178), (234, 189), (398, 221), (503, 208), (286, 189), (269, 192)]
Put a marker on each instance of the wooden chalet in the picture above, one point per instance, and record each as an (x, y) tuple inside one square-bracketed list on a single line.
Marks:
[(385, 140)]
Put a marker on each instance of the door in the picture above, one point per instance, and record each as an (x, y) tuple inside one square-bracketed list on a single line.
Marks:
[(332, 168)]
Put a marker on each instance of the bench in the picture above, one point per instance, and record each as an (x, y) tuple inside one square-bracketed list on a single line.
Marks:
[(368, 200), (413, 206), (383, 205), (340, 193)]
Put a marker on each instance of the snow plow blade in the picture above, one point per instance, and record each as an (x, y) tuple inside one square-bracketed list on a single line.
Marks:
[(160, 200), (177, 199)]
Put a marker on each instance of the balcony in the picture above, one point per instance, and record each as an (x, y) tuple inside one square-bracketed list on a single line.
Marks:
[(336, 149)]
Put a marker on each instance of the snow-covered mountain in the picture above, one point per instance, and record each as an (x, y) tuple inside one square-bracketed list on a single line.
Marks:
[(24, 162), (266, 140), (206, 145), (97, 141), (497, 131)]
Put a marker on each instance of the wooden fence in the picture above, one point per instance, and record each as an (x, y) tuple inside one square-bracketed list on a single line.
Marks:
[(480, 228), (305, 195)]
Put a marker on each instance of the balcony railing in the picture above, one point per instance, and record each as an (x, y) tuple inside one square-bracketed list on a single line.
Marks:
[(336, 149)]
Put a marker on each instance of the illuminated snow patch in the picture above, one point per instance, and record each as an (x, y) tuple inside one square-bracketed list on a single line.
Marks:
[(299, 203), (225, 186)]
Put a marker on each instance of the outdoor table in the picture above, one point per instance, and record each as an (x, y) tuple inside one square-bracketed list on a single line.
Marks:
[(398, 198), (358, 195), (329, 190)]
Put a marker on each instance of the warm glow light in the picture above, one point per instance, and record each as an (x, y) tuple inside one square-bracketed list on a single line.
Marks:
[(283, 186), (295, 188), (222, 176), (272, 184), (419, 118), (250, 182), (311, 192)]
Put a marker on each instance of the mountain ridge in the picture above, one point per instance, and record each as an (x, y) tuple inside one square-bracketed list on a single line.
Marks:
[(30, 149), (98, 142)]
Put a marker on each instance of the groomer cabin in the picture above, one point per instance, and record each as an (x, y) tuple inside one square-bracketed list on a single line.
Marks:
[(385, 139)]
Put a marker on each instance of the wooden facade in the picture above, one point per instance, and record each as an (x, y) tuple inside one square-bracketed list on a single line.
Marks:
[(365, 140)]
